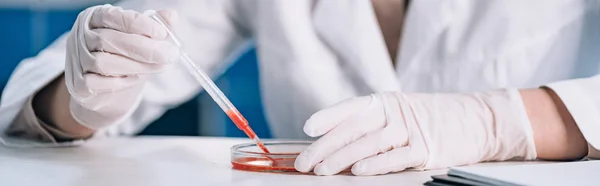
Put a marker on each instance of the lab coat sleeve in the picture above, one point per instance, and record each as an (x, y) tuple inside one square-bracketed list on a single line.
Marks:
[(28, 126), (212, 32), (582, 99)]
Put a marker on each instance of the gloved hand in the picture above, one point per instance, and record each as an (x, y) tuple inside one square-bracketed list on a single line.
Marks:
[(391, 132), (110, 54)]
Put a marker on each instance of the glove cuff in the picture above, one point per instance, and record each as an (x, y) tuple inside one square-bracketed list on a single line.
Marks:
[(514, 134), (99, 111), (90, 118)]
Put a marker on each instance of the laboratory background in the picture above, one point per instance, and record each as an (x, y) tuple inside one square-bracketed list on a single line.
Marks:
[(31, 25), (428, 138)]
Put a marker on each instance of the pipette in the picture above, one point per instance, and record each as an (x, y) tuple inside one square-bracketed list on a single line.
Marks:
[(210, 87)]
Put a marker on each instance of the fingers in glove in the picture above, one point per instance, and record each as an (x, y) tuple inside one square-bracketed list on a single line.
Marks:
[(127, 21), (170, 16), (395, 160), (108, 64), (99, 84), (328, 118), (133, 46), (367, 146), (345, 133)]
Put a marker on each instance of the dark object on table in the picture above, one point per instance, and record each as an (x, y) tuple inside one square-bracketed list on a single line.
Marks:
[(453, 180)]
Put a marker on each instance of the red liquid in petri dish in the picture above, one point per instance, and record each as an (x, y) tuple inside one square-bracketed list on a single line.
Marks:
[(264, 164), (283, 155)]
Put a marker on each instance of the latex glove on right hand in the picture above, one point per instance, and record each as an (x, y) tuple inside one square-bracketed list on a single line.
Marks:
[(110, 53), (391, 132)]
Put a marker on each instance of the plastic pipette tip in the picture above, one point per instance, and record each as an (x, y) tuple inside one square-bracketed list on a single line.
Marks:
[(242, 124), (260, 144)]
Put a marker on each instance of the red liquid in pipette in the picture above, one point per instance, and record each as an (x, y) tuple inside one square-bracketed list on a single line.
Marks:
[(242, 124)]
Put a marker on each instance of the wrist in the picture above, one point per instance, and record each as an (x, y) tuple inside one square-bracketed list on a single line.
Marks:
[(556, 134), (51, 105)]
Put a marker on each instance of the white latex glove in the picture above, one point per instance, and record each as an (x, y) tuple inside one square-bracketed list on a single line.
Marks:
[(110, 53), (391, 132)]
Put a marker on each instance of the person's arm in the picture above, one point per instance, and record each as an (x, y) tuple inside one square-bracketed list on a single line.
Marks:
[(37, 123), (51, 106), (42, 106), (577, 117), (556, 134), (98, 59), (393, 131)]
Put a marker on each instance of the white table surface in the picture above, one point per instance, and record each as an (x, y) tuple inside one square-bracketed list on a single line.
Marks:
[(150, 161)]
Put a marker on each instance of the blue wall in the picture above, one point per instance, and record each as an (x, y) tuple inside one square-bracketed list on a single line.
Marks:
[(21, 37), (26, 32)]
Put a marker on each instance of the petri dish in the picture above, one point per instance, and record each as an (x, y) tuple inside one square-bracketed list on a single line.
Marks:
[(249, 157)]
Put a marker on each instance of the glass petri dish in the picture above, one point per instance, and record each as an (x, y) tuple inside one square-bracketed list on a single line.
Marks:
[(249, 157)]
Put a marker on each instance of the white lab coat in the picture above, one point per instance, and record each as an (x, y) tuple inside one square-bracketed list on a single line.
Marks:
[(313, 54)]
